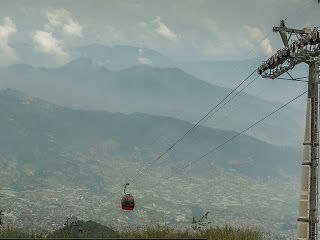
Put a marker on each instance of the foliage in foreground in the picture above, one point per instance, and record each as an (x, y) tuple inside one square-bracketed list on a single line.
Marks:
[(81, 229), (14, 233), (217, 233)]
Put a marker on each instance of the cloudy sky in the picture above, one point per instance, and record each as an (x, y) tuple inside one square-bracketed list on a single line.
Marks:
[(184, 30)]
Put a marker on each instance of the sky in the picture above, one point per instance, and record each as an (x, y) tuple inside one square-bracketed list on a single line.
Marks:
[(184, 30)]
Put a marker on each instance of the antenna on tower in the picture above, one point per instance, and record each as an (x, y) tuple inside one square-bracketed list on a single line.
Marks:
[(283, 34)]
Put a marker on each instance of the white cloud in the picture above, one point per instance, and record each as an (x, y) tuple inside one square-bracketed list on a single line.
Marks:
[(46, 43), (151, 32), (254, 32), (7, 53), (266, 46), (73, 28), (256, 35), (163, 30), (143, 60), (61, 19)]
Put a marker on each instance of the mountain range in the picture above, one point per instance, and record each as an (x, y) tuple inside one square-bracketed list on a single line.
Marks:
[(84, 84), (221, 73), (40, 138), (229, 73), (76, 162), (73, 133)]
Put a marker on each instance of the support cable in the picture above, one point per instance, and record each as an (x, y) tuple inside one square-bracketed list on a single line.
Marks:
[(209, 114), (215, 149), (212, 111), (205, 117), (229, 100)]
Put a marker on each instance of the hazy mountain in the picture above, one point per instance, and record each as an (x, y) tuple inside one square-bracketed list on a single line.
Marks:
[(57, 162), (221, 73), (112, 57), (229, 73), (120, 57), (40, 136), (160, 91)]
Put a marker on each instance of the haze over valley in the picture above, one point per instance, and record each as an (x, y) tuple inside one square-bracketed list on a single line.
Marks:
[(162, 95)]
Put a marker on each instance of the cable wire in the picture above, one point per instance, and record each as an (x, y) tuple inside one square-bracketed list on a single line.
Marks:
[(237, 135), (209, 114), (230, 99)]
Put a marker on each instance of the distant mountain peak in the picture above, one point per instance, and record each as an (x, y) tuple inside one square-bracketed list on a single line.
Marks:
[(119, 57), (85, 63), (21, 67)]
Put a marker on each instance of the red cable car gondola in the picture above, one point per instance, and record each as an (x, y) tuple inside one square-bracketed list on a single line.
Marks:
[(127, 201)]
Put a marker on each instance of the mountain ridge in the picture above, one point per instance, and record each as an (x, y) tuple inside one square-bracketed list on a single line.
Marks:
[(153, 90), (26, 108), (60, 158)]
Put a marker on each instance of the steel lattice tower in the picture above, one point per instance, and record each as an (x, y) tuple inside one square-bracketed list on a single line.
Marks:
[(308, 203), (306, 48)]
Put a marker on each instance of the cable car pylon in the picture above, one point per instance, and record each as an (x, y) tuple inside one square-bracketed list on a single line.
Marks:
[(305, 49)]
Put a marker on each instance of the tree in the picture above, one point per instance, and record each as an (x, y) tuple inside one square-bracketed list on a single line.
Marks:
[(201, 222)]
